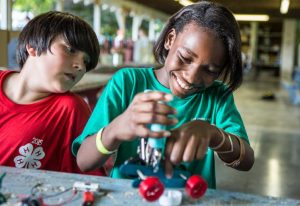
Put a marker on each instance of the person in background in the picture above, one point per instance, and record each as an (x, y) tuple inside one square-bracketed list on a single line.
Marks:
[(142, 49), (11, 54), (39, 115), (12, 63), (200, 50)]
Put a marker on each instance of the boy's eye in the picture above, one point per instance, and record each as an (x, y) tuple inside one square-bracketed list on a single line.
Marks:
[(86, 62), (71, 49)]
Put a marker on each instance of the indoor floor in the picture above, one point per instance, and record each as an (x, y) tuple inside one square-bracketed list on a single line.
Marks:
[(273, 127)]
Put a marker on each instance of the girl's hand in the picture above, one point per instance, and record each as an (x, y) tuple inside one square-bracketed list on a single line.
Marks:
[(187, 143), (146, 108)]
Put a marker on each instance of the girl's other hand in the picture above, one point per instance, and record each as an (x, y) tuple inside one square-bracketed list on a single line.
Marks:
[(187, 143)]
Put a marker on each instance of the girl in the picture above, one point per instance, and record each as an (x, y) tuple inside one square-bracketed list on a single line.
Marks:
[(200, 52)]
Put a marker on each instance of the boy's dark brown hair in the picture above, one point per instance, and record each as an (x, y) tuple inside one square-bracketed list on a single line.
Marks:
[(43, 29), (217, 19)]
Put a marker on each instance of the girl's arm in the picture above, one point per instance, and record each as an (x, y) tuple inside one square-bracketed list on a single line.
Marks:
[(232, 150), (132, 123), (191, 141), (89, 157)]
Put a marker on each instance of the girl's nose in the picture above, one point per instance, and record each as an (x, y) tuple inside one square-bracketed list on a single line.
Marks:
[(193, 75)]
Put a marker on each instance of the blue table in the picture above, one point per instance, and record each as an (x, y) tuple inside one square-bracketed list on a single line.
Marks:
[(18, 184)]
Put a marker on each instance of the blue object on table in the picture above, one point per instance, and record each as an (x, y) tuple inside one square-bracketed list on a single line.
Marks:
[(154, 142), (177, 181)]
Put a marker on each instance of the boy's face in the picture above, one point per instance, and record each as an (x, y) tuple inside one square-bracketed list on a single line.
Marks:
[(62, 67), (195, 60)]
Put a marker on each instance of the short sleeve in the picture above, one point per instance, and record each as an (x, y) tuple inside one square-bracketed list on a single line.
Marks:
[(229, 118), (109, 106)]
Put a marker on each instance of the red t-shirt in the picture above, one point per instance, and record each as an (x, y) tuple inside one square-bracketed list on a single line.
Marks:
[(39, 135)]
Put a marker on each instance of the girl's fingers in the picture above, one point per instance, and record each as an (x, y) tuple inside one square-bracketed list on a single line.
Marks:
[(168, 168), (167, 163), (143, 131), (160, 134), (202, 149), (154, 107), (190, 150), (179, 146), (150, 118), (154, 96)]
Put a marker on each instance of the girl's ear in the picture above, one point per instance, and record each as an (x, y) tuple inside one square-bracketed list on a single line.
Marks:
[(171, 36), (31, 51)]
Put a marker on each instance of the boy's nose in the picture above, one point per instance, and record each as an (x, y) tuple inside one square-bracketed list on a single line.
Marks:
[(78, 62)]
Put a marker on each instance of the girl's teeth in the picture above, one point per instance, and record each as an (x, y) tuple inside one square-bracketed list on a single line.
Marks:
[(182, 84)]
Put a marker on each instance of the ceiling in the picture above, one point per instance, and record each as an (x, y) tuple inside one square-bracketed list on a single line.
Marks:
[(270, 7)]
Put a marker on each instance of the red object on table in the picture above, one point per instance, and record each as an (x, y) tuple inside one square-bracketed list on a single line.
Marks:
[(151, 188), (196, 186), (88, 198)]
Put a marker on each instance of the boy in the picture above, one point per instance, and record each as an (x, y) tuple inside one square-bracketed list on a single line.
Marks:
[(39, 116)]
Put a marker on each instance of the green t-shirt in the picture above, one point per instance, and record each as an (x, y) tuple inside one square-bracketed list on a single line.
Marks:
[(214, 105)]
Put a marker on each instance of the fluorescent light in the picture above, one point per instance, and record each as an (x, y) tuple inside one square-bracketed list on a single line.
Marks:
[(238, 17), (185, 2), (251, 17), (284, 7)]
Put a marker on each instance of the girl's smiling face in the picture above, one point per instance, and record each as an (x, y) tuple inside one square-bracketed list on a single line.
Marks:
[(195, 59)]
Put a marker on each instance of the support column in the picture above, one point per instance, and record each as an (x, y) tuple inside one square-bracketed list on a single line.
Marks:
[(136, 23), (288, 49), (97, 18), (59, 5), (151, 30), (253, 41), (6, 14), (120, 15)]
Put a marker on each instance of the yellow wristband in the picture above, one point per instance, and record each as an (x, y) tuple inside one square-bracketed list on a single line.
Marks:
[(100, 145)]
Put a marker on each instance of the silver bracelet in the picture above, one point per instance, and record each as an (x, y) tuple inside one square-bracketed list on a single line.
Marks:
[(231, 147), (237, 162), (221, 143)]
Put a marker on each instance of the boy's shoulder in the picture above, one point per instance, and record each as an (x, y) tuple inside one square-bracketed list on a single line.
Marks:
[(70, 99), (4, 72), (69, 104)]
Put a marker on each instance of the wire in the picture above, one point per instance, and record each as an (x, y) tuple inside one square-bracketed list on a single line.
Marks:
[(70, 199), (1, 178), (34, 197), (2, 197), (59, 193)]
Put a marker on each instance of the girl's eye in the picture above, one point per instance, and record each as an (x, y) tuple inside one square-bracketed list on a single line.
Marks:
[(184, 59), (208, 70), (213, 73)]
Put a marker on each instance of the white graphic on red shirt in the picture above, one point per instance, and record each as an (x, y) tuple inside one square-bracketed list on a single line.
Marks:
[(37, 141), (29, 157)]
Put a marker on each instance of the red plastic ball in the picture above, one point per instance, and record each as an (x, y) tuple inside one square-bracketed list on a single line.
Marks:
[(196, 186), (151, 188)]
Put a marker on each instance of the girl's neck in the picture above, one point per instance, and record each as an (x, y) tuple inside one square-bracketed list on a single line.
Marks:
[(162, 76)]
